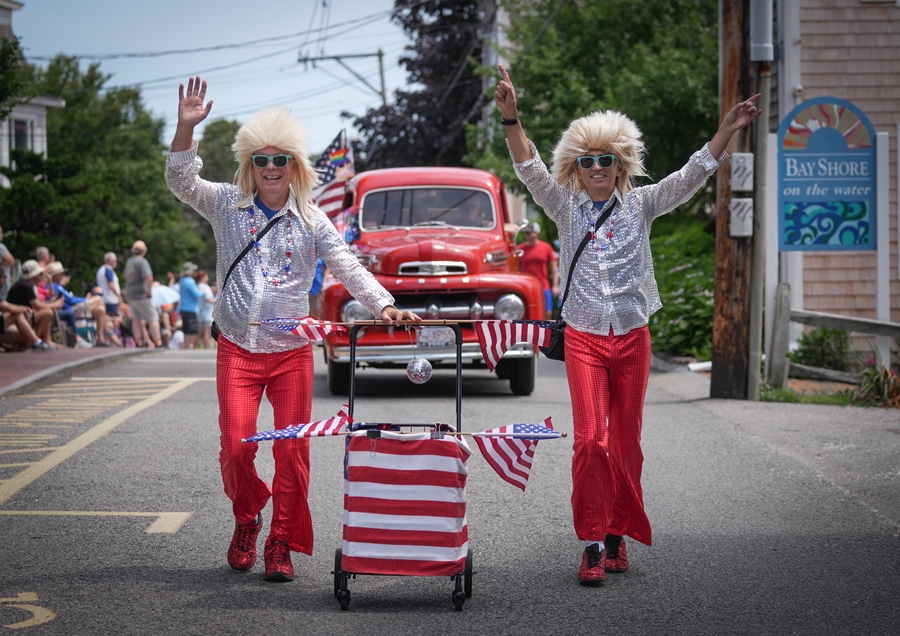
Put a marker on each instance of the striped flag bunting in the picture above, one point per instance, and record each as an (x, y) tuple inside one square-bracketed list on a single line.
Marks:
[(331, 426), (405, 505), (496, 336), (510, 449), (334, 166), (307, 327)]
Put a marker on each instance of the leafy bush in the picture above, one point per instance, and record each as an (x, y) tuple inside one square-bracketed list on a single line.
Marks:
[(824, 348), (878, 385), (684, 260)]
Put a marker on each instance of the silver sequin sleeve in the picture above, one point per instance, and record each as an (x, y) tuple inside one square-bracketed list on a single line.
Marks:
[(249, 295), (613, 289)]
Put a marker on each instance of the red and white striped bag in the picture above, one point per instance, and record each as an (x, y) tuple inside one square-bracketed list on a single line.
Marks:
[(405, 505)]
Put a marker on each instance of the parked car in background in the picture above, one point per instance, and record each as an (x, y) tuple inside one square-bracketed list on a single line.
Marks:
[(440, 240)]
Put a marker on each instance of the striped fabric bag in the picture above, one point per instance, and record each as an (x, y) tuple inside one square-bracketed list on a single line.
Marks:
[(405, 505)]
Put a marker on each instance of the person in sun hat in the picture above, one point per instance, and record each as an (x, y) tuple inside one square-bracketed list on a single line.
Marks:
[(73, 305), (271, 194), (589, 193), (189, 305), (24, 293)]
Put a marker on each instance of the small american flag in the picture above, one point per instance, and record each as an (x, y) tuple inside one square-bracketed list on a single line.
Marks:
[(510, 449), (331, 426), (405, 505), (334, 166), (496, 336), (307, 327)]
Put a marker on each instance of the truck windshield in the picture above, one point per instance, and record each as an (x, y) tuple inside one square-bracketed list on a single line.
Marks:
[(426, 206)]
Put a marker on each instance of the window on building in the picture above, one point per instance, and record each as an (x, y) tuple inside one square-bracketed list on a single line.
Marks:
[(21, 134)]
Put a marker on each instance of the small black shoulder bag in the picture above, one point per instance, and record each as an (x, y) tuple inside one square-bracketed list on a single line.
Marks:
[(214, 330), (557, 348)]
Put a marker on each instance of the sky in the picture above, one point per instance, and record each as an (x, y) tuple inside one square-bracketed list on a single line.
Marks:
[(242, 79)]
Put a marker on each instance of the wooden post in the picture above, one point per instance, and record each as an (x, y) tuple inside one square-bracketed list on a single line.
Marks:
[(731, 312), (776, 359)]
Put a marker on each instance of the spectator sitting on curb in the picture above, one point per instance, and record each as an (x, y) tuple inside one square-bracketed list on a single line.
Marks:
[(15, 326), (72, 304), (24, 294)]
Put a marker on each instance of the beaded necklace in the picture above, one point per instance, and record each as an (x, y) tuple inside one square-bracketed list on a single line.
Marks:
[(602, 245), (289, 251)]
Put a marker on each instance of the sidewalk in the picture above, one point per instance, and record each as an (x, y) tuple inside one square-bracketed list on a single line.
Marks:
[(25, 368)]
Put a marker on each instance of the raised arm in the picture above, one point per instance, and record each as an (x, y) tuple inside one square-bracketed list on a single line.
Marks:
[(505, 98), (742, 114), (191, 112)]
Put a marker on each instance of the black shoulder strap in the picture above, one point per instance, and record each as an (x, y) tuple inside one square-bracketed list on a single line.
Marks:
[(248, 248), (584, 242)]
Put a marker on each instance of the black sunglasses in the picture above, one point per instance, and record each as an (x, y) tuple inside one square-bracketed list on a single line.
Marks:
[(261, 161), (587, 162)]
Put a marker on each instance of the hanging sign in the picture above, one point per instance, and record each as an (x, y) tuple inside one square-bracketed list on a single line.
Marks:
[(826, 178)]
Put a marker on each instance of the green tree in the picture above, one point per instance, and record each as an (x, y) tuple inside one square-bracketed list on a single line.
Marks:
[(101, 186), (12, 79), (427, 127)]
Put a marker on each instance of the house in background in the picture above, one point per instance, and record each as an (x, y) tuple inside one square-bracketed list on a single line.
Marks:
[(26, 126), (849, 49)]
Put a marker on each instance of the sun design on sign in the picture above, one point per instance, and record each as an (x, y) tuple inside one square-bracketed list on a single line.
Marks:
[(819, 116)]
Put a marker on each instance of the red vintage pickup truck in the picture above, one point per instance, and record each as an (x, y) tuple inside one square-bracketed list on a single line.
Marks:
[(440, 240)]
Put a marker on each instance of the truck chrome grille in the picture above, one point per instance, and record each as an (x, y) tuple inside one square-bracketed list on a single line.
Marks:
[(433, 268)]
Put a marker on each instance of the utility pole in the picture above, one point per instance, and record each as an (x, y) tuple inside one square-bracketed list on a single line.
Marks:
[(730, 341), (305, 59), (762, 52)]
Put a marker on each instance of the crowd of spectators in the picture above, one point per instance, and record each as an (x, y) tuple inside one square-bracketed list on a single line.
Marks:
[(39, 313)]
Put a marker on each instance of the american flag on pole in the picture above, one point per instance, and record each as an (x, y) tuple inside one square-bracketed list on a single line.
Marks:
[(334, 166), (307, 327), (331, 426), (496, 336), (405, 505), (510, 449)]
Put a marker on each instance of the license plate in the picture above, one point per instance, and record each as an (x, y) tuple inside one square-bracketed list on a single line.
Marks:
[(436, 337)]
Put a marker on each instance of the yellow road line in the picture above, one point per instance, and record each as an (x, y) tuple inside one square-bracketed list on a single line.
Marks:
[(166, 522), (55, 458)]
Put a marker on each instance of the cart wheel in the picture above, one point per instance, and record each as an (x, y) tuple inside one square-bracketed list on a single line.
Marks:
[(458, 599), (338, 573), (521, 376), (344, 600), (467, 575)]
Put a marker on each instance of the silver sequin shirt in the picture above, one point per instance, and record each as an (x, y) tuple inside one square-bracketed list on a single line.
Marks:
[(614, 288), (249, 296)]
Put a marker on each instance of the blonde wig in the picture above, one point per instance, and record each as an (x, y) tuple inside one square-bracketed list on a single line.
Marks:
[(276, 128), (608, 131)]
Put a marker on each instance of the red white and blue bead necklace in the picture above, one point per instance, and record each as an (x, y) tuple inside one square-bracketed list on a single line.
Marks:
[(602, 245), (289, 251)]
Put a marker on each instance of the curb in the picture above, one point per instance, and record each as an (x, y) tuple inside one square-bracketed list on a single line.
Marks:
[(61, 370), (658, 364)]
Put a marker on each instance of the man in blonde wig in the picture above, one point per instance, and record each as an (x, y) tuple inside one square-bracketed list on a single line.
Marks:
[(269, 211), (612, 292)]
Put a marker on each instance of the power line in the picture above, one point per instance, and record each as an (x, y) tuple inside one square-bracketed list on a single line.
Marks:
[(112, 56)]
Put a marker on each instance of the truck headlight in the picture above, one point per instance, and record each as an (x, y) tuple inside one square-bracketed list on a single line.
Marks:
[(509, 307), (355, 310)]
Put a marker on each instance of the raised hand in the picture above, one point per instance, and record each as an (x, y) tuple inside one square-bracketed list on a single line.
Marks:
[(742, 114), (505, 96), (191, 110)]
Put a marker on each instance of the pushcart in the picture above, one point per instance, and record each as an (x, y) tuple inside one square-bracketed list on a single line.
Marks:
[(404, 498)]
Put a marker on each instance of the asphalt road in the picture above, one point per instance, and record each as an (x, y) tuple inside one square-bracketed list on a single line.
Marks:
[(767, 518)]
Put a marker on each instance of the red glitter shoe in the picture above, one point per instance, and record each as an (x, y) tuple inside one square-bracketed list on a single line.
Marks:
[(616, 555), (278, 562), (592, 571), (242, 551)]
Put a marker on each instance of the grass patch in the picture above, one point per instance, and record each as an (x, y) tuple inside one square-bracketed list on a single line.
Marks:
[(774, 394)]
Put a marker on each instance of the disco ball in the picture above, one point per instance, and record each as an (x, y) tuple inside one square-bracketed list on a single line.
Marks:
[(418, 370)]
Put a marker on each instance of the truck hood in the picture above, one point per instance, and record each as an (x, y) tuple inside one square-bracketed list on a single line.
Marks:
[(443, 252)]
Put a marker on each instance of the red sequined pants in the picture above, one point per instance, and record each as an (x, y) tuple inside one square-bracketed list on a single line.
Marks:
[(608, 381), (287, 378)]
